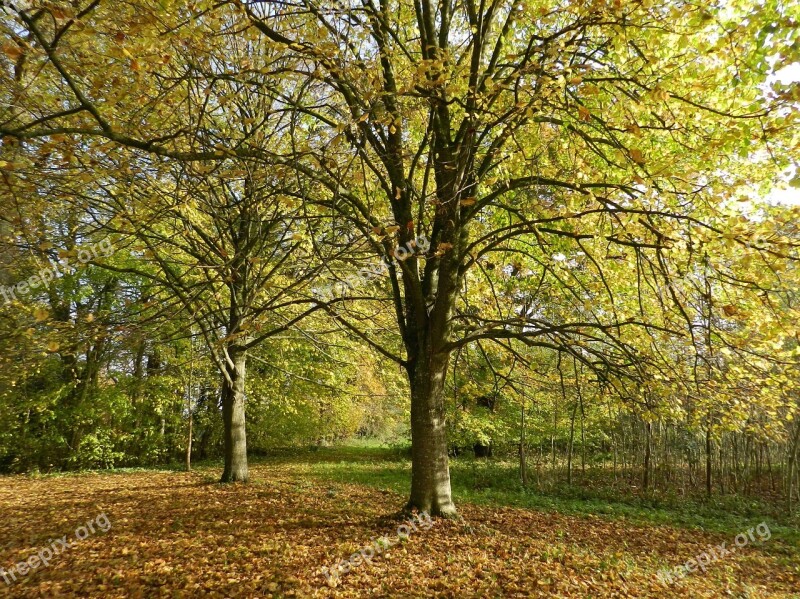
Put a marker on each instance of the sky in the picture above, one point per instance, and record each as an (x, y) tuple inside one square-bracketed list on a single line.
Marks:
[(787, 195)]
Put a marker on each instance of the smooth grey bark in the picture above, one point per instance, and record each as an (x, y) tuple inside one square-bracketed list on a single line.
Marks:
[(426, 326), (189, 406), (430, 469), (233, 416)]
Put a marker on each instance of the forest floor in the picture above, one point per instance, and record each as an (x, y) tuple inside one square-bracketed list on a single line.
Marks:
[(158, 533)]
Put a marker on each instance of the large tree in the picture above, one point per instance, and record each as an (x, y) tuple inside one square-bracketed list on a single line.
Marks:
[(500, 127)]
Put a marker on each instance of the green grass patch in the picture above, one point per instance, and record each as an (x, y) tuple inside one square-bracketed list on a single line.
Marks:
[(496, 483)]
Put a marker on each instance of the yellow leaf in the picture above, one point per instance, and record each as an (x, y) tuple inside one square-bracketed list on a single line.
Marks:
[(633, 128), (637, 156), (468, 201), (40, 314)]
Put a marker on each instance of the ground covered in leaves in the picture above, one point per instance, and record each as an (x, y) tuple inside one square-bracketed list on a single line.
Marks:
[(178, 534)]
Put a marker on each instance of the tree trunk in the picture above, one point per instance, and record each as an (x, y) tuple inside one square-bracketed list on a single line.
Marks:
[(233, 416), (571, 443), (523, 461), (583, 442), (708, 460), (190, 406), (553, 443), (430, 470), (189, 443), (792, 467), (647, 449), (769, 469)]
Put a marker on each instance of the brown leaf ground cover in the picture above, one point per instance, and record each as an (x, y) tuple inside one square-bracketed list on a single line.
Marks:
[(181, 535)]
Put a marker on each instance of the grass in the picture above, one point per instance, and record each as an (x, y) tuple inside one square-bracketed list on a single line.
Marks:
[(496, 483)]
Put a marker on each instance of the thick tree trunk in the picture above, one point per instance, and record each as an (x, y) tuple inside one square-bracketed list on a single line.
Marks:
[(430, 470), (233, 416)]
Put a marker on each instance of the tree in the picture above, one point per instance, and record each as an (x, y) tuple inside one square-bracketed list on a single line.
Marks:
[(513, 128), (227, 245)]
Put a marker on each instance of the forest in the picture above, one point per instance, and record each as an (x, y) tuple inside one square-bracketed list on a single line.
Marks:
[(513, 283)]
